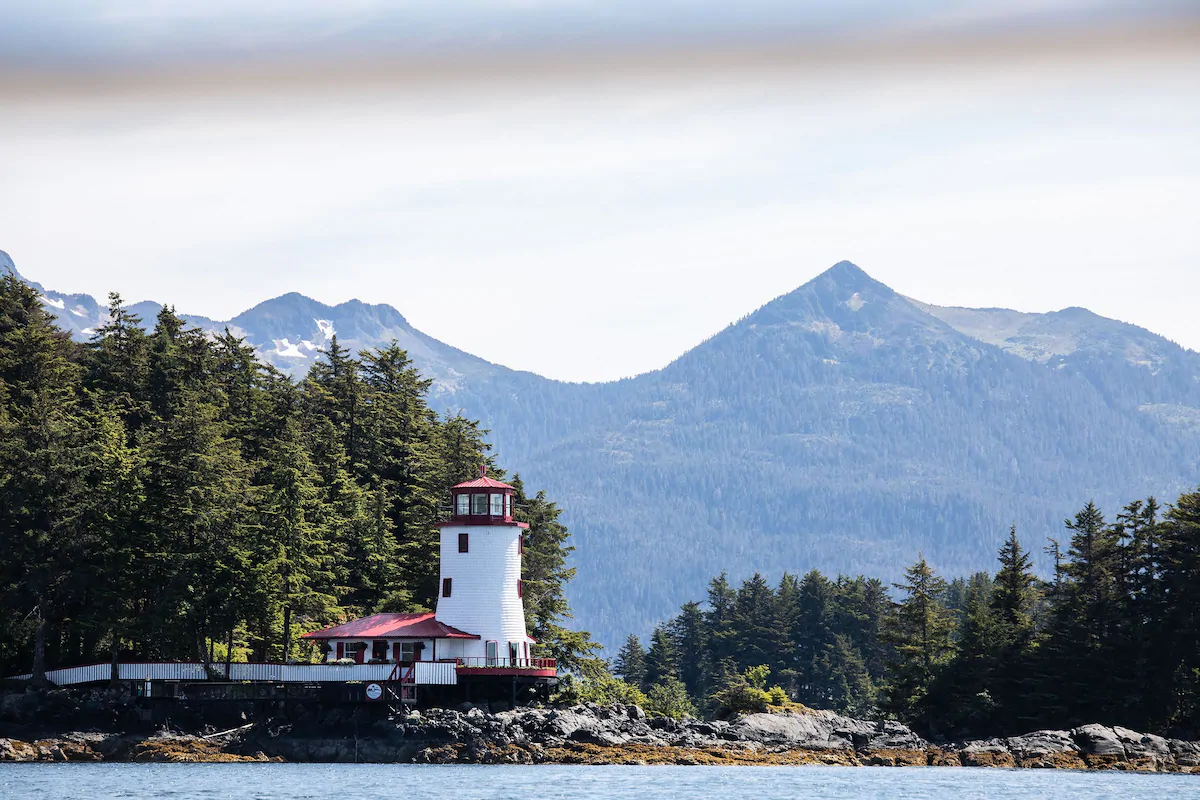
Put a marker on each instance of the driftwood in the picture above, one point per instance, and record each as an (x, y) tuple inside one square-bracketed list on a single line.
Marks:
[(226, 733)]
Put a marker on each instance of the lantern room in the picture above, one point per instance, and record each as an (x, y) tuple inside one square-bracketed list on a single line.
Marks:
[(482, 501)]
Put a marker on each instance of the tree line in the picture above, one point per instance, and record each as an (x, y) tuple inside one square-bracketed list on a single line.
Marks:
[(164, 495), (1113, 636)]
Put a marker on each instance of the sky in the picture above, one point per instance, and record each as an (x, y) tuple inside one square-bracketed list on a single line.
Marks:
[(586, 190)]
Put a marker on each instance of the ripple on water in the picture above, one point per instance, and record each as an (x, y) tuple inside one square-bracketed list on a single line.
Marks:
[(368, 781)]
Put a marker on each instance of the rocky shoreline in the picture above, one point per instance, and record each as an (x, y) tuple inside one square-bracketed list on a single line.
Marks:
[(590, 734)]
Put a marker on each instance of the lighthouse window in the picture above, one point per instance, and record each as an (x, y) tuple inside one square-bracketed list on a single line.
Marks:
[(508, 505), (479, 504), (497, 509), (464, 543), (446, 586), (463, 505)]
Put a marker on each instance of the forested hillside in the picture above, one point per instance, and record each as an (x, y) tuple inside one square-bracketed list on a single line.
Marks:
[(841, 427), (1114, 635), (165, 495)]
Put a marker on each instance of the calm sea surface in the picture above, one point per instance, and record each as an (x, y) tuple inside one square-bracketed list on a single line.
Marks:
[(300, 781)]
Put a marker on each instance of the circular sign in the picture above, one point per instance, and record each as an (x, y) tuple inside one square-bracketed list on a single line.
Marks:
[(374, 691)]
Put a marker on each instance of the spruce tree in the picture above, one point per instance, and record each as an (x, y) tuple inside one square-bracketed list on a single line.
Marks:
[(920, 630), (630, 663), (662, 657)]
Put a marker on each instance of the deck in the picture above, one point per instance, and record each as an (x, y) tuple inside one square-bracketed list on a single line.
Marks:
[(419, 673)]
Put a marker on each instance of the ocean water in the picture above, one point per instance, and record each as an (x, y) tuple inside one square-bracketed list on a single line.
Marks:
[(363, 781)]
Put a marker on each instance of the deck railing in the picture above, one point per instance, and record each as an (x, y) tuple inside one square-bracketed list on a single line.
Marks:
[(424, 672), (508, 663)]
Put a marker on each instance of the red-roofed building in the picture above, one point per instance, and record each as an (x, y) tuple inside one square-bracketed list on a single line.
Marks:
[(387, 637)]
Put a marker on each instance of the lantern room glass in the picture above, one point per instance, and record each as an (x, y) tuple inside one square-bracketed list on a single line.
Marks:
[(463, 505), (497, 509), (479, 505)]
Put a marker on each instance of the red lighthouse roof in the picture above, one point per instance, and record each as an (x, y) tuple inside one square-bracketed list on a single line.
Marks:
[(482, 482)]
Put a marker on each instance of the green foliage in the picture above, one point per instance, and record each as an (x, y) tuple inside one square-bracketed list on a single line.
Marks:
[(757, 676), (165, 495), (602, 688), (747, 693), (630, 663), (669, 698), (980, 656)]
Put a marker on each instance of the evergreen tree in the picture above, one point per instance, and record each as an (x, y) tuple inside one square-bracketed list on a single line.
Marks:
[(920, 629), (689, 632), (39, 376), (1178, 641), (545, 575), (630, 663), (662, 658)]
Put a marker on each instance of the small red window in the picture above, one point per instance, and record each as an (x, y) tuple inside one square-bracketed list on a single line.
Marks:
[(520, 588), (341, 650), (446, 587), (521, 543), (463, 542)]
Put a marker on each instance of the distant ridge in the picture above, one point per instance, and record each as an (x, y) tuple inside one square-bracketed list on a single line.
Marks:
[(841, 426)]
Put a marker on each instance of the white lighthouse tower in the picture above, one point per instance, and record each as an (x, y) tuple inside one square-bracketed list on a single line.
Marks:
[(481, 589)]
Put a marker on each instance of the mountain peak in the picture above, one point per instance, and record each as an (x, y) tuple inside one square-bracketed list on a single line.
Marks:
[(848, 277), (7, 265), (843, 270)]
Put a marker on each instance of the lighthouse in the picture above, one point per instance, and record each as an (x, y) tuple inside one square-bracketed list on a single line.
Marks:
[(473, 646), (481, 590)]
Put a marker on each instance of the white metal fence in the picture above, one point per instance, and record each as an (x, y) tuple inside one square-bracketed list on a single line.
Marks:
[(424, 672)]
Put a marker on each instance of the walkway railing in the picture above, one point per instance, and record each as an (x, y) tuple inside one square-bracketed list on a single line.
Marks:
[(424, 672), (508, 663)]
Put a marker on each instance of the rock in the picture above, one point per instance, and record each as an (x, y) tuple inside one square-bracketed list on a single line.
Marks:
[(790, 729), (591, 734), (1046, 750), (986, 753), (635, 712), (1142, 744), (1185, 754), (1097, 740)]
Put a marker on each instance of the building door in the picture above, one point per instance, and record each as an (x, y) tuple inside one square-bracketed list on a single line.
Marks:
[(493, 653), (514, 653)]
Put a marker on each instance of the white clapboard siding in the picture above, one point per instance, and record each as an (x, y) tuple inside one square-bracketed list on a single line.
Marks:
[(483, 593), (426, 672)]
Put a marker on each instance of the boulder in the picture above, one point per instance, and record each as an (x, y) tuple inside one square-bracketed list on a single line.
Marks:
[(793, 730), (1142, 744), (1046, 750), (1185, 754), (1097, 740), (986, 753)]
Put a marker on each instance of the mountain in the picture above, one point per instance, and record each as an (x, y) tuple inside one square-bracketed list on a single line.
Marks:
[(842, 427)]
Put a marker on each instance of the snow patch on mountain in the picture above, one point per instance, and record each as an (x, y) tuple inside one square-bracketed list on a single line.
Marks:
[(855, 302), (326, 328), (50, 301), (285, 349)]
